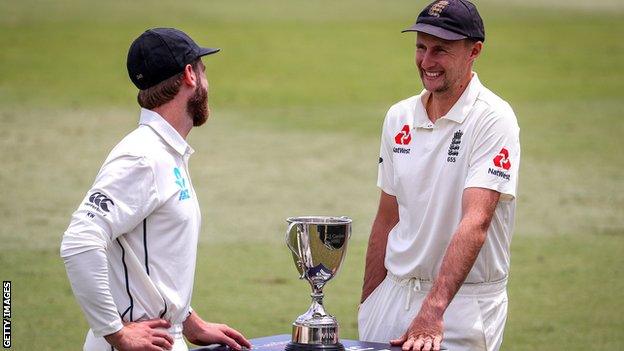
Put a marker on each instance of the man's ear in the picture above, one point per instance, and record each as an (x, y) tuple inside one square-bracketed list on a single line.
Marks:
[(476, 50), (190, 78)]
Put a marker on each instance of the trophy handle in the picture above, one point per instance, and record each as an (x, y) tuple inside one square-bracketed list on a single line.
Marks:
[(294, 250)]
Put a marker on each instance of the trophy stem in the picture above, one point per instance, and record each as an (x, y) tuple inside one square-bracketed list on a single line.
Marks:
[(317, 297), (316, 310)]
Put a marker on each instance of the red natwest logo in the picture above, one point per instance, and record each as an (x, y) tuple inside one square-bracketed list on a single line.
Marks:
[(502, 159), (404, 137)]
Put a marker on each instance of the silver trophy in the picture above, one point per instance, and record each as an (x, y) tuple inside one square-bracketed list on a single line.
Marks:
[(318, 246)]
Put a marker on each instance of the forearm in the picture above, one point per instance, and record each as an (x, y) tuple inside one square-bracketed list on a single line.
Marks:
[(88, 275), (375, 270), (458, 260), (190, 326)]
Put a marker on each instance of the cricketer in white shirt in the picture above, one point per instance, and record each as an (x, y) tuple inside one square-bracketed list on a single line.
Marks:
[(475, 145), (131, 246), (427, 166)]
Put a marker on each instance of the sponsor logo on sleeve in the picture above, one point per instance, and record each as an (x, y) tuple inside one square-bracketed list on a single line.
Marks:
[(502, 163), (502, 159), (404, 137), (100, 203)]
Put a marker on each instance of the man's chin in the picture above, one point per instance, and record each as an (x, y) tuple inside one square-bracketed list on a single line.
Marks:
[(200, 120), (435, 88), (433, 85), (197, 107)]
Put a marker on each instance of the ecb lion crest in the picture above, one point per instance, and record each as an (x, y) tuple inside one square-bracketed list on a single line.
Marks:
[(437, 8)]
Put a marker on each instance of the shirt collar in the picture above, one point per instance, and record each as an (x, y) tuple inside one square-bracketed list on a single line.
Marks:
[(165, 131), (460, 109)]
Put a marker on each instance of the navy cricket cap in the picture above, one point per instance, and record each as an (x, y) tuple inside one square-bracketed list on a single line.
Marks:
[(450, 20), (161, 53)]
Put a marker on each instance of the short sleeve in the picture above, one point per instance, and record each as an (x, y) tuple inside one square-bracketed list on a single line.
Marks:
[(385, 173), (495, 157), (123, 194)]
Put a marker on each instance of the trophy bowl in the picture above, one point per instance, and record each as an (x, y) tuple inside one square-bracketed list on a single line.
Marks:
[(318, 245)]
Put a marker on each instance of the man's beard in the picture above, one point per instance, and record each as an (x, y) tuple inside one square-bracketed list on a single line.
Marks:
[(439, 89), (197, 106)]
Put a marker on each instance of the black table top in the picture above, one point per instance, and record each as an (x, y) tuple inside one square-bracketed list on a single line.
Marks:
[(278, 342)]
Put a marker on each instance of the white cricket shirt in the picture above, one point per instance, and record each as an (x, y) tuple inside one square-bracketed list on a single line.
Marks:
[(427, 166), (144, 193)]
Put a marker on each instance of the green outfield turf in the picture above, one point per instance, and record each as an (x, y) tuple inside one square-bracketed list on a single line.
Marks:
[(297, 96)]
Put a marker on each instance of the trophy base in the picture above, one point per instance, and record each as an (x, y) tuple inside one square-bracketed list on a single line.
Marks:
[(295, 346)]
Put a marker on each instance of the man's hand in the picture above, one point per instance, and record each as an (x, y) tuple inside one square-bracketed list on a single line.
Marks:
[(424, 333), (139, 336), (201, 333)]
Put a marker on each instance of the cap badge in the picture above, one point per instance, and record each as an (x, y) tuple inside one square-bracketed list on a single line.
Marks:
[(139, 76), (437, 8)]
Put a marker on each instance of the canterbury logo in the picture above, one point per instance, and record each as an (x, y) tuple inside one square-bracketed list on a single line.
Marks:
[(502, 159), (101, 201), (404, 137), (437, 8)]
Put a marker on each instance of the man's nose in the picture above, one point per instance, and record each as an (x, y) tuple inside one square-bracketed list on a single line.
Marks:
[(426, 61)]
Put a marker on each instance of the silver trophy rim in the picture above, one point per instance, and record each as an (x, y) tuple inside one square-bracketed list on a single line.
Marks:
[(318, 220)]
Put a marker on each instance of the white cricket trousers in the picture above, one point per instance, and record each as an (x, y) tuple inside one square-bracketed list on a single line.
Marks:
[(98, 343), (474, 320)]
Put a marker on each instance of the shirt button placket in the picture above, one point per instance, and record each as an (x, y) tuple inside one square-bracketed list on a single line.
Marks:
[(431, 129)]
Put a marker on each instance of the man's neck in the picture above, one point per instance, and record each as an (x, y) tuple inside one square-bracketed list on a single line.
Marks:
[(176, 116), (439, 104)]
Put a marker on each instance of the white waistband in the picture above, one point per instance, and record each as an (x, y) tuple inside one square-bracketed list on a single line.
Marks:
[(467, 289), (98, 343), (175, 329)]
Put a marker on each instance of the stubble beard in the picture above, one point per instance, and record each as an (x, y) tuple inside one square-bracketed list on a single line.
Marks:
[(197, 106), (445, 87), (440, 89)]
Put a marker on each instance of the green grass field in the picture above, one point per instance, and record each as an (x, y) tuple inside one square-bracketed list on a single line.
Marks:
[(298, 95)]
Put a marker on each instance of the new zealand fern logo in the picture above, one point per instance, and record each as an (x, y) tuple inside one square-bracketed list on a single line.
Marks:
[(184, 192)]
